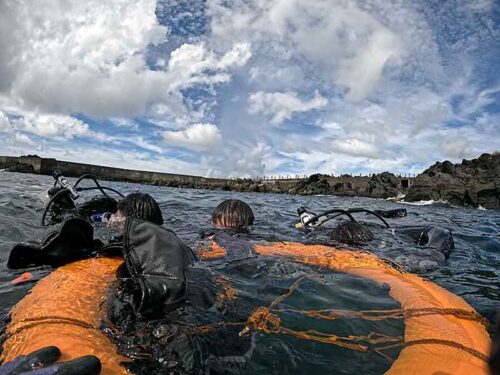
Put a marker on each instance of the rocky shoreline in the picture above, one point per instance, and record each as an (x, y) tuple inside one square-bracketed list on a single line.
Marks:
[(472, 183), (383, 185)]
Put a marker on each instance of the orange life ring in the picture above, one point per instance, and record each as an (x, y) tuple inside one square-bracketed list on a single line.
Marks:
[(65, 309), (443, 333)]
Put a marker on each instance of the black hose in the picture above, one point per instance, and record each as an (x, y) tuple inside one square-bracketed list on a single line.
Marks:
[(354, 210), (80, 179), (334, 211), (330, 218), (56, 195), (90, 177), (339, 212), (100, 188)]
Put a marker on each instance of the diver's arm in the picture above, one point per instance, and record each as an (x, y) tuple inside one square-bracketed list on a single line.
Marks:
[(71, 240)]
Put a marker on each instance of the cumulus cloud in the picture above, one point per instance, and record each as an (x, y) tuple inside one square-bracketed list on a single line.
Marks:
[(53, 125), (87, 59), (350, 86), (349, 46), (197, 137), (281, 106)]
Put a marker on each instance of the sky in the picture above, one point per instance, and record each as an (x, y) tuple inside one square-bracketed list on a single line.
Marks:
[(233, 88)]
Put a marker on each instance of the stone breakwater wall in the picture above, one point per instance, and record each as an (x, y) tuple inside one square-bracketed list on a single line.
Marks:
[(45, 166), (382, 185)]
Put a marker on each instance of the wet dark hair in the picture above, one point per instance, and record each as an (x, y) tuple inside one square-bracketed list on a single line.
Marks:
[(351, 232), (232, 213), (141, 206)]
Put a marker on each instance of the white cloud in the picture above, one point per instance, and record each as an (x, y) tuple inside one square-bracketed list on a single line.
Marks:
[(281, 106), (91, 58), (349, 46), (480, 5), (189, 64), (402, 84), (196, 137), (356, 147), (23, 138), (124, 158), (4, 123), (53, 125), (125, 123)]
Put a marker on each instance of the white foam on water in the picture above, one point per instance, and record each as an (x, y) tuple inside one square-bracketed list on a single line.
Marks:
[(397, 198), (424, 203)]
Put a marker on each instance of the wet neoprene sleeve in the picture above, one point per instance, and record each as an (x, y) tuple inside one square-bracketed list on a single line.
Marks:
[(156, 259), (59, 244)]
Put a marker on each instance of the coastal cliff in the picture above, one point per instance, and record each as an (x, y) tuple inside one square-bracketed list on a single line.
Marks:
[(472, 183)]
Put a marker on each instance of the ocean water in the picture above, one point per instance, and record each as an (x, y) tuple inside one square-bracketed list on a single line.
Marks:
[(472, 271)]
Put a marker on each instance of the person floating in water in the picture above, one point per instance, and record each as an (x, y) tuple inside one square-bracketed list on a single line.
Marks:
[(232, 219), (434, 244), (232, 213), (152, 279)]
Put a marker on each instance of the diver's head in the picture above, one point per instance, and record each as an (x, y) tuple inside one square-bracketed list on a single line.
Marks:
[(232, 213), (351, 232), (140, 206)]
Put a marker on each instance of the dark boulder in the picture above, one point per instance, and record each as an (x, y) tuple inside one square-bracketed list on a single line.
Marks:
[(471, 183), (22, 168)]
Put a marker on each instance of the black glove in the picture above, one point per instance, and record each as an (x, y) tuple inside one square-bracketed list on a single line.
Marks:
[(156, 260), (62, 243), (35, 364)]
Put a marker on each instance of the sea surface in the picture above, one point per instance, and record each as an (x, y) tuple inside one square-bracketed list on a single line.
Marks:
[(472, 271)]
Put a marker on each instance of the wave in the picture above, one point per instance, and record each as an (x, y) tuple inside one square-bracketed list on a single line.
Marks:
[(397, 198), (426, 203)]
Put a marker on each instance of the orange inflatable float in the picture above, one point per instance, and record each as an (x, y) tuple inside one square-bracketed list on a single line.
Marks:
[(443, 334), (65, 309)]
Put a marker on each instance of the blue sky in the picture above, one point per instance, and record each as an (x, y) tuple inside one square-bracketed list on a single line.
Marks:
[(251, 87)]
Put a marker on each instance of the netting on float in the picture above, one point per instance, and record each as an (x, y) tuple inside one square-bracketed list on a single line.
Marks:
[(440, 328)]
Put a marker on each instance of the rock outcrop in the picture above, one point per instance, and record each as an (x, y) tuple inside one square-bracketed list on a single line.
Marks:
[(472, 183), (382, 185), (22, 168)]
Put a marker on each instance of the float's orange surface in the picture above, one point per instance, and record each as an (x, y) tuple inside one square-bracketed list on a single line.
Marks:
[(450, 340), (65, 309), (214, 252)]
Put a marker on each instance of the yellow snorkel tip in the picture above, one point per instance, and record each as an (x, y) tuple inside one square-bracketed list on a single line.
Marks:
[(299, 225)]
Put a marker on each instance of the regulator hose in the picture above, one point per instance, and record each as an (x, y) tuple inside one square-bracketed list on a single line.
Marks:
[(338, 212), (98, 186)]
